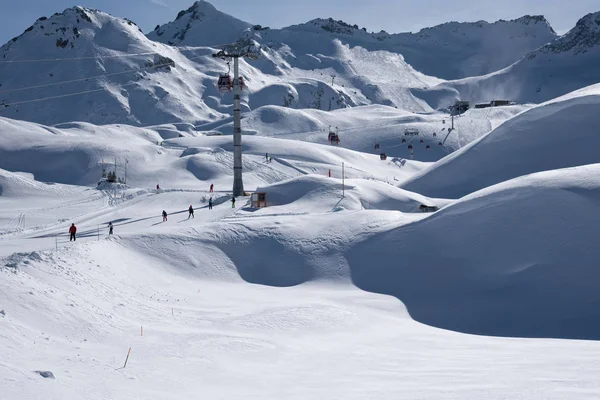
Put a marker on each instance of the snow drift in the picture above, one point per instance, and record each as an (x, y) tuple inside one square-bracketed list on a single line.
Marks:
[(516, 259)]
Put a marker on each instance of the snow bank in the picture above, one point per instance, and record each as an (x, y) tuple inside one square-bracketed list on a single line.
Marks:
[(315, 193), (516, 259), (556, 134)]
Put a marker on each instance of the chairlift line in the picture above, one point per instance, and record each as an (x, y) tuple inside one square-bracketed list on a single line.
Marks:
[(91, 77)]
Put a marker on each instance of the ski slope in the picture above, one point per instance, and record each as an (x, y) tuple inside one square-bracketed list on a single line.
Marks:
[(341, 288), (238, 295), (556, 134)]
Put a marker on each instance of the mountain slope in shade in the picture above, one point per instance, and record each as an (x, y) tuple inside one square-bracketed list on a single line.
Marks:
[(562, 66), (200, 25)]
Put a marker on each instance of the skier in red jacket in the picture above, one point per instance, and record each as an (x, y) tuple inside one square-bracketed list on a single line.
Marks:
[(72, 231)]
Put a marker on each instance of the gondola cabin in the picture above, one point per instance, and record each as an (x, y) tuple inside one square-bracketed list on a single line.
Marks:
[(334, 138), (383, 156), (224, 83)]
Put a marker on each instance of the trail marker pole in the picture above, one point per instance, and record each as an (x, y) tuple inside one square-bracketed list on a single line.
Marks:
[(127, 358), (98, 232), (56, 242), (343, 177)]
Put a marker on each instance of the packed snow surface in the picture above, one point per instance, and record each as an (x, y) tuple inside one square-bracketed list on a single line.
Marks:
[(463, 269), (476, 293)]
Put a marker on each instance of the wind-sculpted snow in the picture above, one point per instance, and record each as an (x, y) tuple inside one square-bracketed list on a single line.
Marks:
[(516, 259)]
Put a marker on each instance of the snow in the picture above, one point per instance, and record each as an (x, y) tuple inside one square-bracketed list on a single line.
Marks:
[(341, 287), (111, 73), (553, 70), (185, 284), (556, 134)]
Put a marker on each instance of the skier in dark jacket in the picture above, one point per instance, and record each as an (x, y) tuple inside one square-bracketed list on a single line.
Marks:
[(110, 228), (72, 231), (191, 210), (211, 187), (233, 202), (164, 214), (210, 203)]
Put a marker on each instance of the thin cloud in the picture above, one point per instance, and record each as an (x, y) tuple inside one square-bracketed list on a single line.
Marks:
[(160, 3)]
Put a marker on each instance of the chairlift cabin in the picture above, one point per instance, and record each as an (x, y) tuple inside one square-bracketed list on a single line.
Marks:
[(422, 141), (377, 147), (410, 146), (403, 140), (224, 83), (333, 137), (383, 156), (434, 134), (428, 147)]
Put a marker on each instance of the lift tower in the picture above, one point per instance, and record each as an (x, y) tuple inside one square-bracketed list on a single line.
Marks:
[(243, 48)]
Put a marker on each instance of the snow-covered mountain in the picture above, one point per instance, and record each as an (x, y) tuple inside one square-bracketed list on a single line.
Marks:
[(557, 68), (449, 51), (126, 77), (200, 25), (115, 74)]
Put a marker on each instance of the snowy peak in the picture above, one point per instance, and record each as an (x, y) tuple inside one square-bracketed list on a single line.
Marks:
[(580, 39), (328, 25), (533, 19), (200, 25), (78, 30)]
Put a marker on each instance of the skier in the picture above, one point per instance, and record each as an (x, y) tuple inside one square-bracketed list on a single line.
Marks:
[(211, 187), (267, 157), (110, 228), (72, 231), (191, 210), (210, 203), (164, 214), (233, 202), (157, 188)]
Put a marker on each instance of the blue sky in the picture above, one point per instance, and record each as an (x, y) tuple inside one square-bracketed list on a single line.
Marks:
[(390, 15)]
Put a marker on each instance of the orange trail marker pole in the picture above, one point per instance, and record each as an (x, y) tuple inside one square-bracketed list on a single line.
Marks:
[(124, 365)]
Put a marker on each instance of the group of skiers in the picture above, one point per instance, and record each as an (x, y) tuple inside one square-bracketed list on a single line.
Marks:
[(73, 231), (73, 228)]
